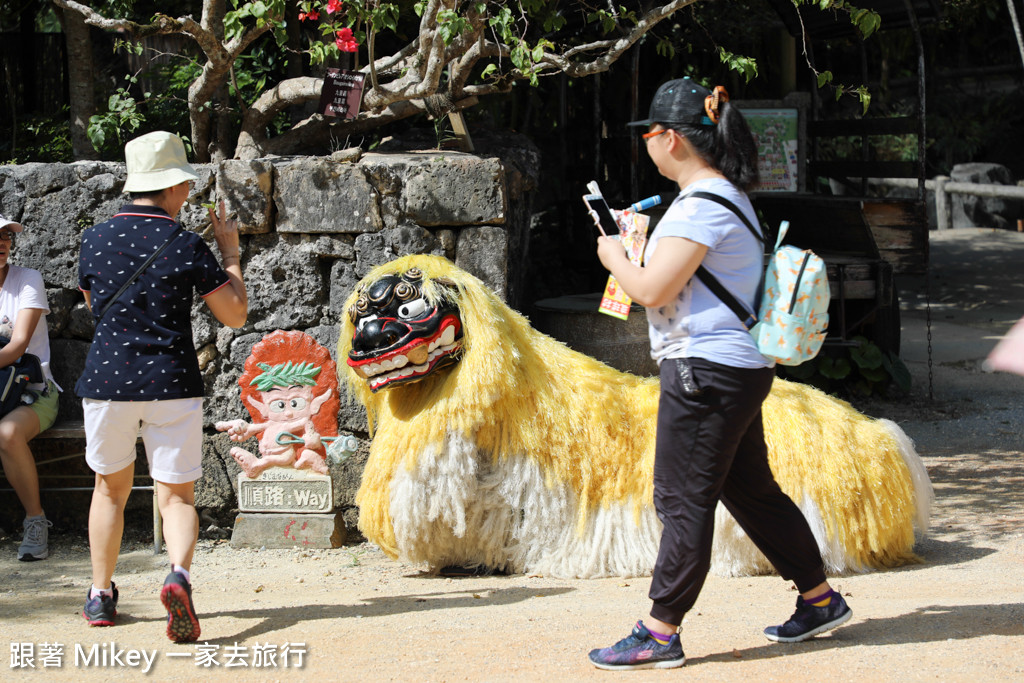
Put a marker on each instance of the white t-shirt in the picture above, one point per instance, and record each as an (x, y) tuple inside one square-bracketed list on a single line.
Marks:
[(698, 324), (22, 289)]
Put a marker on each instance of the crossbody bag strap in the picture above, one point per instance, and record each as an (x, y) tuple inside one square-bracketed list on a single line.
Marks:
[(137, 273), (711, 282)]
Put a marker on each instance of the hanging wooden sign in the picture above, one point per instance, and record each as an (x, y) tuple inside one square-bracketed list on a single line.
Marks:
[(342, 93)]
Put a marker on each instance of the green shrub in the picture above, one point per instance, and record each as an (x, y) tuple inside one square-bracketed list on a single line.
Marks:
[(862, 369)]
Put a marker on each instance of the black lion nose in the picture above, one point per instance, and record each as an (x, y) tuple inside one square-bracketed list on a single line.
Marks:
[(379, 334)]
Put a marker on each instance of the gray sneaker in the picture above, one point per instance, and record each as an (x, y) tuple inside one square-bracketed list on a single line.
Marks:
[(34, 545)]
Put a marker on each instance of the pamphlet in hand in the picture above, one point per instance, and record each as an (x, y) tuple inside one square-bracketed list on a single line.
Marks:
[(632, 232)]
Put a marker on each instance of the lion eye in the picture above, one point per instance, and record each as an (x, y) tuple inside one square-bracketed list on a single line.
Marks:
[(412, 309)]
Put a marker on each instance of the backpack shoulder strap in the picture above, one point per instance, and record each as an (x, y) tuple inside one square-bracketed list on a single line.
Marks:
[(746, 317), (710, 196), (711, 282)]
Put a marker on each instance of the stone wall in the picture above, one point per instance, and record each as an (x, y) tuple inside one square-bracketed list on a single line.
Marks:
[(311, 228)]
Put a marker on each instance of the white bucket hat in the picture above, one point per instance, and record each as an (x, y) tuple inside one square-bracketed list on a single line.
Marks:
[(156, 161), (13, 226)]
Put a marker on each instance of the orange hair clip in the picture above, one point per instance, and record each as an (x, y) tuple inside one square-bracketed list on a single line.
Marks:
[(711, 102)]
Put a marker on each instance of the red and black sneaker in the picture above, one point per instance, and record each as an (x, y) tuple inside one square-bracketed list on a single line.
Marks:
[(101, 610), (182, 622)]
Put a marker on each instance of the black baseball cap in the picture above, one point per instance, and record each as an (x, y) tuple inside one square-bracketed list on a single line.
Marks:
[(680, 101)]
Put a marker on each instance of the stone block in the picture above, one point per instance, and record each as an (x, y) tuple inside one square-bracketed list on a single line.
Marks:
[(316, 195), (54, 223), (371, 251), (286, 287), (246, 186), (213, 489), (969, 211), (283, 530), (455, 189), (483, 251)]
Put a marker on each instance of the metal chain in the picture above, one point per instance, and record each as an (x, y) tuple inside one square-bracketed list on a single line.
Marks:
[(928, 323)]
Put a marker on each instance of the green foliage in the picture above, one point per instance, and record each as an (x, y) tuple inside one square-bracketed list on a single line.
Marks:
[(114, 127), (862, 370), (745, 65), (45, 138), (530, 33), (286, 375), (610, 21), (83, 220), (866, 22), (450, 24), (259, 13), (901, 147)]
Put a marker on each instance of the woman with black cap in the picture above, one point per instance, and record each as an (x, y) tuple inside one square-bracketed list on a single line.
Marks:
[(710, 439)]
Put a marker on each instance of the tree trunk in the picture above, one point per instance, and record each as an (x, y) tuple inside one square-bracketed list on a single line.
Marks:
[(80, 79)]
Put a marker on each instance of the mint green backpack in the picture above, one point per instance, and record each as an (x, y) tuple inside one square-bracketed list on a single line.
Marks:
[(792, 319)]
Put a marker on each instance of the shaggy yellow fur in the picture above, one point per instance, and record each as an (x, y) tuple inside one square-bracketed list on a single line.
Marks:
[(850, 465), (518, 392)]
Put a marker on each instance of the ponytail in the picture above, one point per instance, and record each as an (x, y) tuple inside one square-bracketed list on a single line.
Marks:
[(735, 148), (726, 143)]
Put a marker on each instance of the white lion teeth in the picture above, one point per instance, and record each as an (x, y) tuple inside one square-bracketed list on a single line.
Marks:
[(446, 338), (394, 368), (402, 372)]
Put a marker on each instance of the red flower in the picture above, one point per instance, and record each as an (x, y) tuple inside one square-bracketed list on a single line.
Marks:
[(312, 15), (333, 6), (345, 41)]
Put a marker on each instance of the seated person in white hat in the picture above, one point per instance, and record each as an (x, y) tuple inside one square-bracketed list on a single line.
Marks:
[(23, 310), (142, 366)]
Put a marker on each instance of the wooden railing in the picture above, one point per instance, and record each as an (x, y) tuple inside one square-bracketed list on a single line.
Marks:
[(943, 187)]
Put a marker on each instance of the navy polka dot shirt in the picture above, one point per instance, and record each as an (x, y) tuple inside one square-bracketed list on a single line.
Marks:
[(142, 349)]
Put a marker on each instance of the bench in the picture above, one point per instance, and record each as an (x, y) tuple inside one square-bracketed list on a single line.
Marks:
[(67, 433)]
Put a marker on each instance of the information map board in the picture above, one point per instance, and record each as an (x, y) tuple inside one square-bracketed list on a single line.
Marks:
[(776, 131)]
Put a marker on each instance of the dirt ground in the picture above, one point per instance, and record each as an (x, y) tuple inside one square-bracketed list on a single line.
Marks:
[(351, 614)]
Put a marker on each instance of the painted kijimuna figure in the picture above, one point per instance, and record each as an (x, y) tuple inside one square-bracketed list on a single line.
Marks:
[(289, 387), (287, 406)]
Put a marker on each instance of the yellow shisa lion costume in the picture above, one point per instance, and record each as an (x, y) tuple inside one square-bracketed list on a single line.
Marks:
[(496, 446)]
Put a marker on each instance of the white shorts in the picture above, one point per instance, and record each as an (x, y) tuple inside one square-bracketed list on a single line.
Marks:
[(172, 432)]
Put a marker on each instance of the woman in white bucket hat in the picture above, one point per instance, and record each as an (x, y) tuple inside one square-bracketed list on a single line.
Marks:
[(142, 366), (23, 310)]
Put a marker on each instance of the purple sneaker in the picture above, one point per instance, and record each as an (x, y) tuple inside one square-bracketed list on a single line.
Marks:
[(639, 650)]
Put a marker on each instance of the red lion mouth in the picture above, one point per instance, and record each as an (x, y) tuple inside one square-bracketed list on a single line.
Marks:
[(413, 361)]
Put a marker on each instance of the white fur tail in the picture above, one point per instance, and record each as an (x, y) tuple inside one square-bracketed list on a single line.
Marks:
[(924, 494)]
